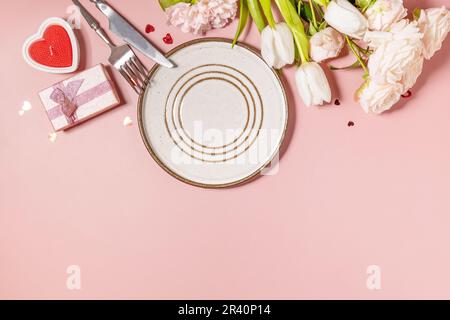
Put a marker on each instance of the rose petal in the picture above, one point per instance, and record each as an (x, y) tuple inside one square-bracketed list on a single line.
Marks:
[(26, 106), (127, 122), (52, 137)]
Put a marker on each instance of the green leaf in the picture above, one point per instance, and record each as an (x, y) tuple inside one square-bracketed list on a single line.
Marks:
[(312, 30), (355, 65), (243, 18), (363, 86), (365, 4), (295, 23), (168, 3), (267, 9), (322, 3), (255, 12), (306, 12), (319, 11), (362, 3), (416, 13)]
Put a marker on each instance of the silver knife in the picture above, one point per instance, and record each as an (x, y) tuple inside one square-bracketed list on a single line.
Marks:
[(121, 27)]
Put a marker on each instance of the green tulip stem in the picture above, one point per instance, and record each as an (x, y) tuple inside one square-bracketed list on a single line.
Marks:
[(323, 3), (267, 9), (295, 23), (243, 19), (255, 12), (313, 12), (357, 55)]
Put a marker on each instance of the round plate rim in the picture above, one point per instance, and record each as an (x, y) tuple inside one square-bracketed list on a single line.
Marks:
[(153, 154)]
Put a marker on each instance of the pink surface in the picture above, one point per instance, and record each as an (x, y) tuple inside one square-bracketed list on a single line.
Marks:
[(344, 198)]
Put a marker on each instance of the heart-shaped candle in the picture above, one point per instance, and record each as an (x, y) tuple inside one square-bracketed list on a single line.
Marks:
[(54, 48)]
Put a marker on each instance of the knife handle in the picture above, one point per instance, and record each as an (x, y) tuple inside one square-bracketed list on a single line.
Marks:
[(93, 24)]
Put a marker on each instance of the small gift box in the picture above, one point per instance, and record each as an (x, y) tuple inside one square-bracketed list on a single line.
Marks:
[(79, 98)]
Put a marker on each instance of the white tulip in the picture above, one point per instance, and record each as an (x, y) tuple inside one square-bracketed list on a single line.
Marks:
[(277, 45), (312, 84), (326, 44), (345, 18)]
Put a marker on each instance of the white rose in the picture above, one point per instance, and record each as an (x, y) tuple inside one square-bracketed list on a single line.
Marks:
[(412, 73), (384, 13), (326, 44), (402, 30), (435, 25), (345, 18), (390, 62), (394, 66), (375, 98), (397, 58)]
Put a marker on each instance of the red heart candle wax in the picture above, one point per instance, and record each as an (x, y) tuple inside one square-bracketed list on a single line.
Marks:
[(54, 49)]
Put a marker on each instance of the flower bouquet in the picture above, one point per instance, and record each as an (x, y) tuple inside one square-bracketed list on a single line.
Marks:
[(200, 16), (388, 46)]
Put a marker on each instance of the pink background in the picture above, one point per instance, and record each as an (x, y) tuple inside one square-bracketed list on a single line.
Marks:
[(344, 198)]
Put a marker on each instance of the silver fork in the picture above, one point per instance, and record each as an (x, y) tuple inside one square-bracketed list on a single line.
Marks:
[(122, 57)]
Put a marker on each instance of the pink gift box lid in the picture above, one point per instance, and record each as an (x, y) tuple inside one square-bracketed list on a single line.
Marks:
[(79, 98)]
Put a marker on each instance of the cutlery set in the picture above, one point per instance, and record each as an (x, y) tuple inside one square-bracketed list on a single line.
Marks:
[(122, 58)]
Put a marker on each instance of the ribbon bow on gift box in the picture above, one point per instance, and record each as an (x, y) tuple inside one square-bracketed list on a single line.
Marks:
[(65, 96)]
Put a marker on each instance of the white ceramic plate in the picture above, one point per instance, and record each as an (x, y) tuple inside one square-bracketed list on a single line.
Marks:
[(218, 118)]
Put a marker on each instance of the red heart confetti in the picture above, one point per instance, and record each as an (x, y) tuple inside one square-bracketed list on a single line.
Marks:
[(407, 94), (149, 28), (54, 49), (168, 39)]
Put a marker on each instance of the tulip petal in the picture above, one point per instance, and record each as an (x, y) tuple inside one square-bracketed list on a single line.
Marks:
[(345, 18), (303, 87), (284, 42), (267, 46), (320, 85)]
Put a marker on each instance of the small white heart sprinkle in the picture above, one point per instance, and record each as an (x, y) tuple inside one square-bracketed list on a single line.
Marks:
[(21, 112), (26, 106), (127, 122), (52, 137)]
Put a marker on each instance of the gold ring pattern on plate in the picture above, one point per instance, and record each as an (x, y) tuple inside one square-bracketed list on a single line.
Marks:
[(214, 153), (246, 87), (225, 146), (156, 158), (180, 118)]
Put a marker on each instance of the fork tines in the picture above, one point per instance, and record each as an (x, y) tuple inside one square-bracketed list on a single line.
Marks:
[(135, 73)]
